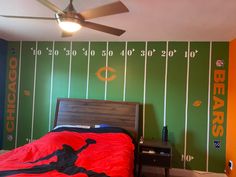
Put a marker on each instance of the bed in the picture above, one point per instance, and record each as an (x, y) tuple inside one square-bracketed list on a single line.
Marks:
[(93, 138)]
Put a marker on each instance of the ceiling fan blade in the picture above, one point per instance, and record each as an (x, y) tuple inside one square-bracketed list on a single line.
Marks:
[(66, 34), (108, 9), (103, 28), (51, 6), (28, 17)]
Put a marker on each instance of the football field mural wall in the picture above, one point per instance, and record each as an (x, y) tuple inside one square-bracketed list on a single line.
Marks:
[(3, 60), (181, 84)]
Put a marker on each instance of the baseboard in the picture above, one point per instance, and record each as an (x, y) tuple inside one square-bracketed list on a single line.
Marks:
[(180, 172)]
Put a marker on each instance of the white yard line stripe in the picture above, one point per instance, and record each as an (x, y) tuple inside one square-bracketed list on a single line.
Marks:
[(125, 72), (50, 106), (166, 77), (105, 94), (69, 79), (35, 77), (87, 87), (208, 109), (18, 95), (186, 107), (144, 88)]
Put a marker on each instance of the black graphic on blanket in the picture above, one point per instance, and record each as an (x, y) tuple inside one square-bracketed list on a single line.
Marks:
[(66, 158)]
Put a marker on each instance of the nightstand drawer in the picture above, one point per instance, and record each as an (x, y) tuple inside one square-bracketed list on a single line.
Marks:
[(156, 160)]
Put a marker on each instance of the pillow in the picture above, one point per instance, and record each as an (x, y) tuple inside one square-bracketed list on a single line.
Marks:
[(101, 125), (72, 126)]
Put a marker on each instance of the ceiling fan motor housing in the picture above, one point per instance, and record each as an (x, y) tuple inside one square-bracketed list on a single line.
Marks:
[(69, 16)]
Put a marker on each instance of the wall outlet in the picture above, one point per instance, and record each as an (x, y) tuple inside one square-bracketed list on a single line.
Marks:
[(230, 164)]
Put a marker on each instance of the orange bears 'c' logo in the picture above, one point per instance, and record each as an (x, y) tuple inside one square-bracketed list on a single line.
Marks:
[(197, 103), (104, 69)]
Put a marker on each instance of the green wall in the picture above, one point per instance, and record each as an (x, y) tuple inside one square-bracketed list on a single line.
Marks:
[(178, 84)]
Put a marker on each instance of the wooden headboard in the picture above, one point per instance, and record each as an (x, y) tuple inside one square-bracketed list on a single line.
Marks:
[(72, 111)]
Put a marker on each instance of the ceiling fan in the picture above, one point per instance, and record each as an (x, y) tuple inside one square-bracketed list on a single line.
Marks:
[(71, 21)]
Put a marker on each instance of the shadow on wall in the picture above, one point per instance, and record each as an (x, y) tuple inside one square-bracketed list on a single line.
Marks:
[(176, 155), (153, 122)]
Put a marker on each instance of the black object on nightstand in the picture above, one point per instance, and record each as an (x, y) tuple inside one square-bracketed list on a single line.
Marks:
[(154, 153)]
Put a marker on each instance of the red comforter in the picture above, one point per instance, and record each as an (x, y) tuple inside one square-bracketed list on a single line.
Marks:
[(73, 152)]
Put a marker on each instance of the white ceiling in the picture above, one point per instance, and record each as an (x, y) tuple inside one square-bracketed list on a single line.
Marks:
[(148, 20)]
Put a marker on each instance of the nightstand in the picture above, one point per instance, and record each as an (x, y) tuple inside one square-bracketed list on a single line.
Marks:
[(154, 153)]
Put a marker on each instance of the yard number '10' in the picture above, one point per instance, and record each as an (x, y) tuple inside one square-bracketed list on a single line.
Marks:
[(36, 52), (192, 54)]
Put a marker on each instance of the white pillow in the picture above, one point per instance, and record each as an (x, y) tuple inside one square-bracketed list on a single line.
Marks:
[(73, 126)]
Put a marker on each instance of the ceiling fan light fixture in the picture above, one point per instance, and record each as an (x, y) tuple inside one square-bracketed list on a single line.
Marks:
[(68, 24)]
